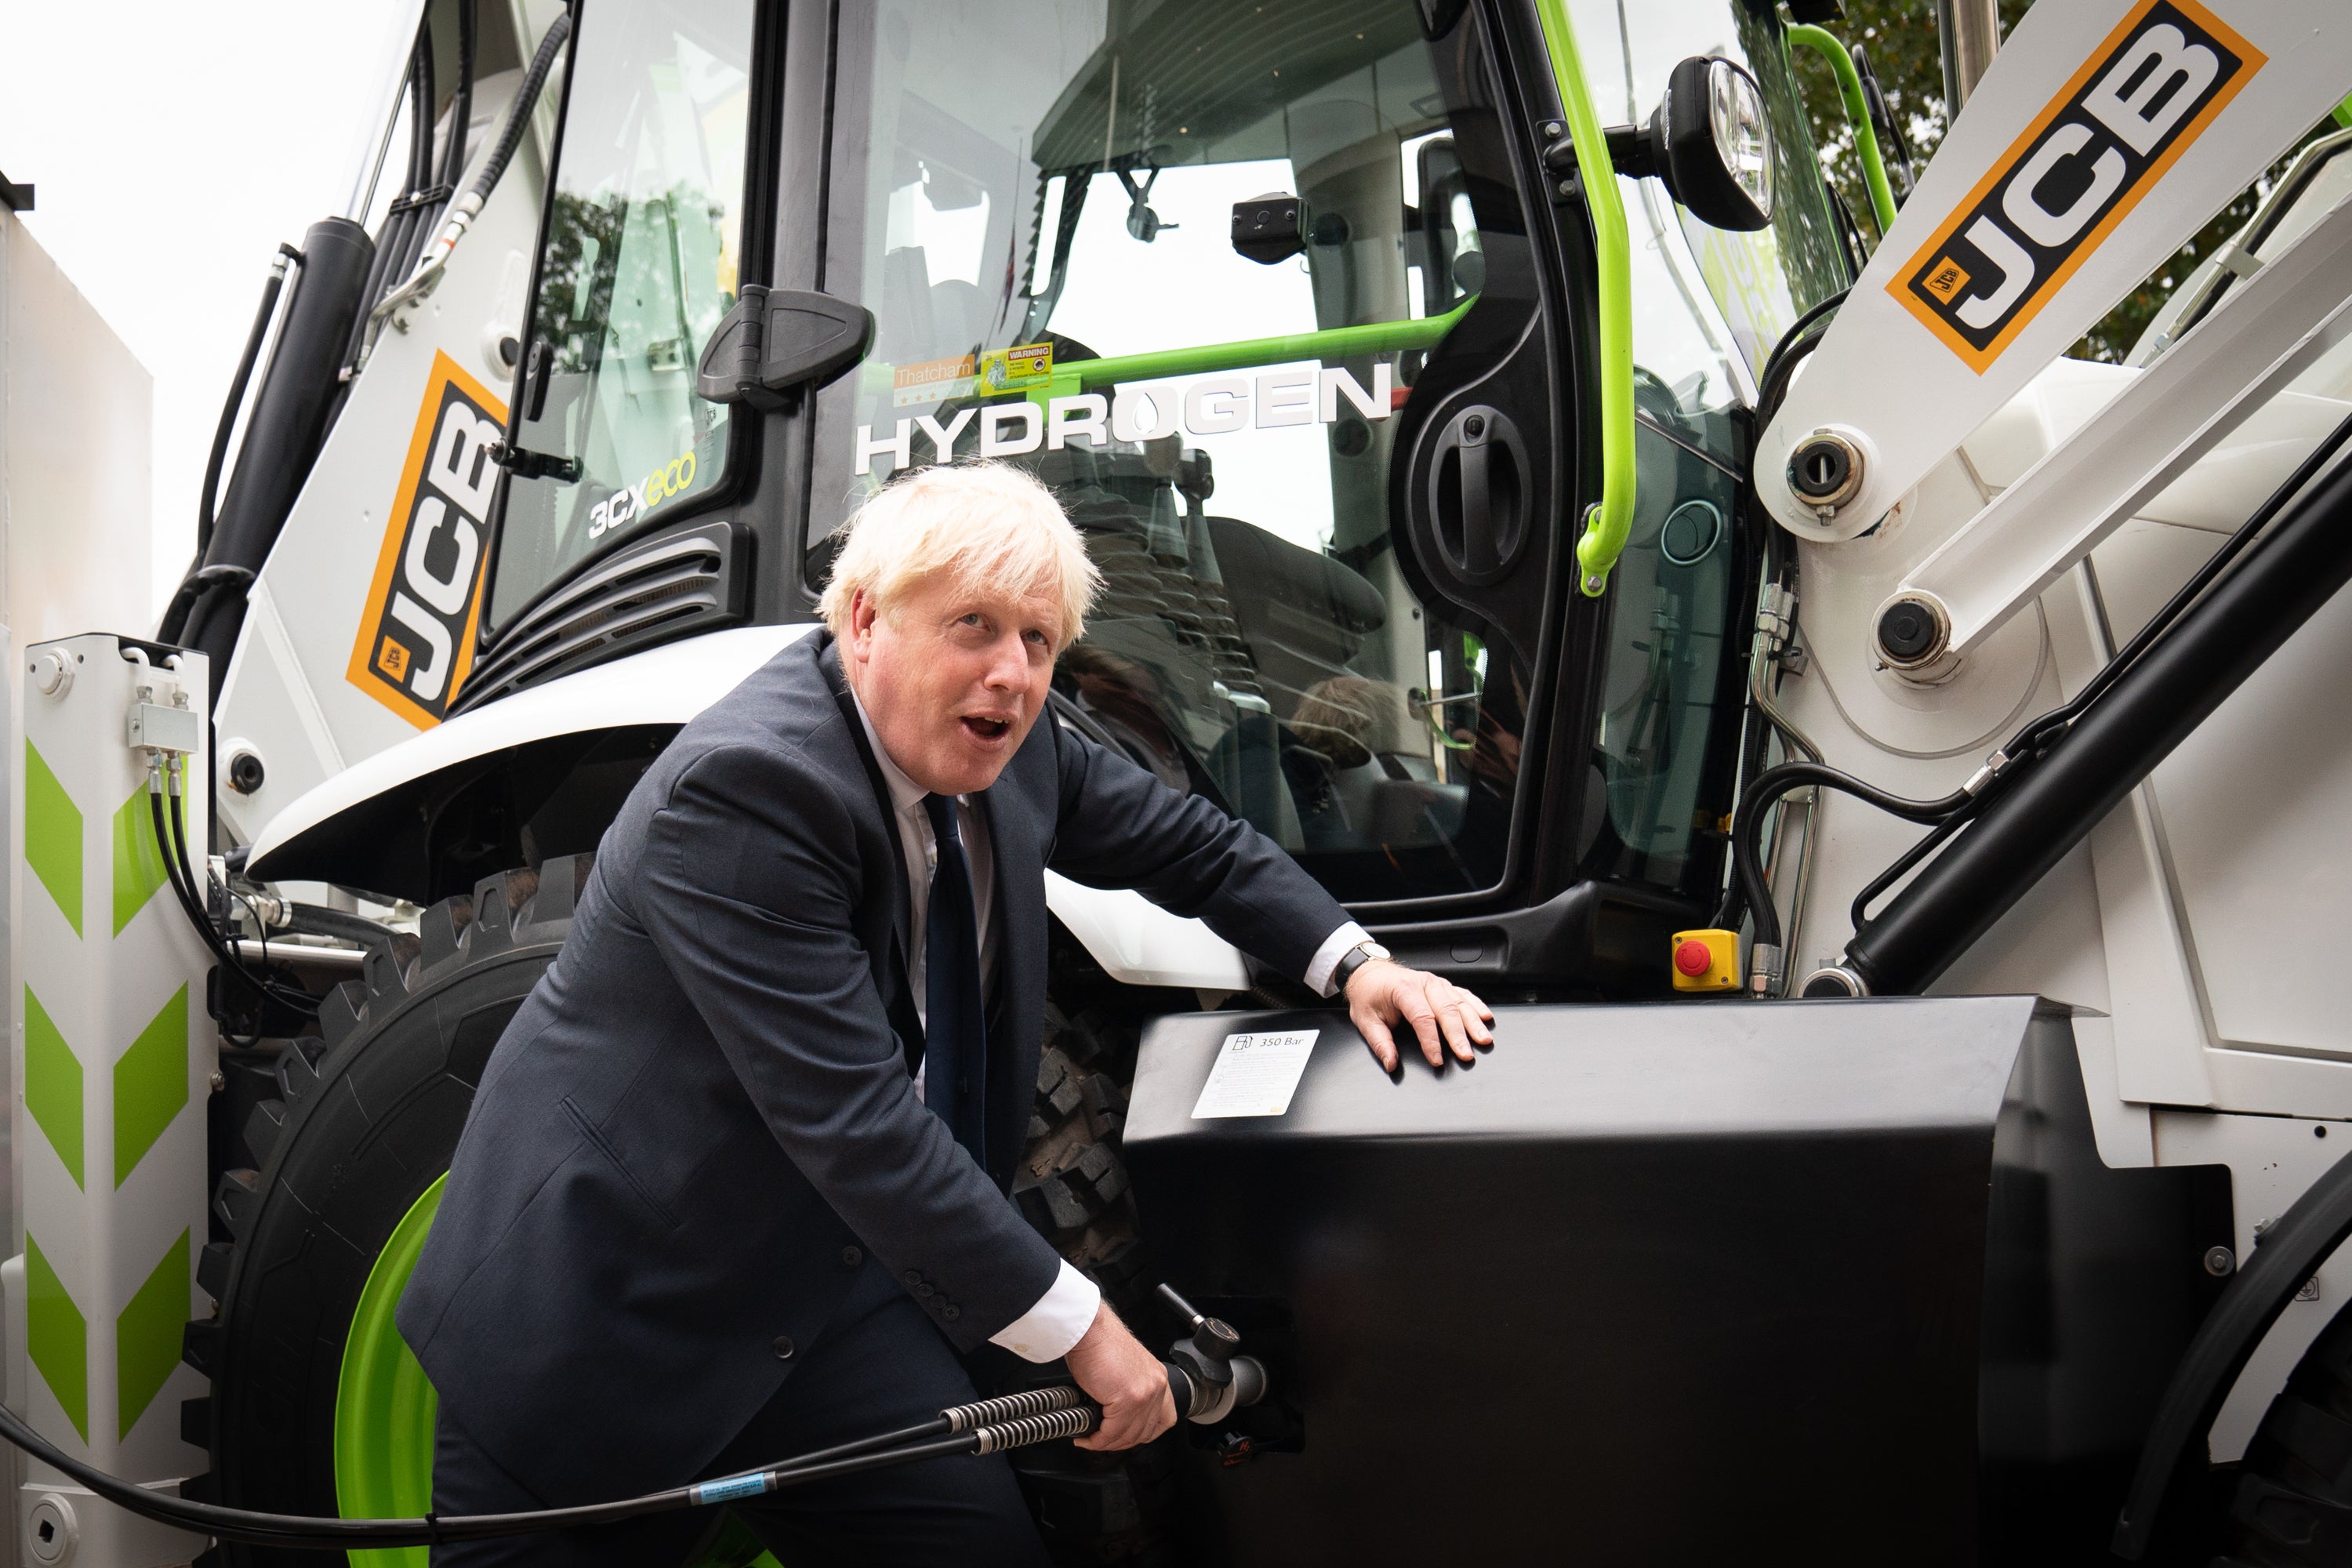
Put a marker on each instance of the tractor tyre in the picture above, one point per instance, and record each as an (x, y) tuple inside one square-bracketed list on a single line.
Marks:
[(365, 1122), (2293, 1503), (1072, 1186)]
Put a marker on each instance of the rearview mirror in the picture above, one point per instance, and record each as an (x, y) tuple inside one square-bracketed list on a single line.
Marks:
[(1708, 142)]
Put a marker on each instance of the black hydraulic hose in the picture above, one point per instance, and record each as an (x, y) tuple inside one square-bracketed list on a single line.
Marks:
[(2037, 730), (986, 1426), (2148, 709), (200, 580), (416, 263), (317, 919), (461, 105), (1794, 345), (534, 82), (206, 501), (392, 238), (1773, 783), (469, 205), (172, 843)]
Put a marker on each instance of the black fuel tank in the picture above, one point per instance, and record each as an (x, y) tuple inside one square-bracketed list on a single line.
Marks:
[(1839, 1283)]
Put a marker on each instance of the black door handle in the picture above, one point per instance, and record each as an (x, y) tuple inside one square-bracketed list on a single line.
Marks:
[(1478, 494)]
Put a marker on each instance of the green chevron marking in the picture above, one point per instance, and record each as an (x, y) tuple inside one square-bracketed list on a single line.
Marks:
[(53, 837), (53, 1085), (56, 1337), (147, 1336), (150, 1085)]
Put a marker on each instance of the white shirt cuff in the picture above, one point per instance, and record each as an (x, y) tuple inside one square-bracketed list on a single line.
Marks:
[(1326, 957), (1061, 1318)]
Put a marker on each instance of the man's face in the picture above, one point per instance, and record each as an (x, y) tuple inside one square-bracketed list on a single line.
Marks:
[(954, 677)]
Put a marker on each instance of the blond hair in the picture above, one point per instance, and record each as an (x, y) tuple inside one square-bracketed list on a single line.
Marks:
[(993, 526)]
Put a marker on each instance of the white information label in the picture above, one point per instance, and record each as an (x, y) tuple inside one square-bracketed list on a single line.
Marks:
[(1255, 1075)]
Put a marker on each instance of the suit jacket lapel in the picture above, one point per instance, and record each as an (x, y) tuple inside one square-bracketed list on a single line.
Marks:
[(898, 997)]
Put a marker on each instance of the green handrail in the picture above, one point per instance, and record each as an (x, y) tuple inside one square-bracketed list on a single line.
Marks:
[(1201, 359), (1857, 112), (2343, 113), (1608, 522), (1074, 376)]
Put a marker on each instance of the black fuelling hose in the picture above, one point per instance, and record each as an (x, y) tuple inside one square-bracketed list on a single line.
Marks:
[(986, 1427)]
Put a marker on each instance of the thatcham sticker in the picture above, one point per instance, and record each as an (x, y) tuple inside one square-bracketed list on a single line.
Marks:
[(1212, 405), (2148, 91), (416, 630)]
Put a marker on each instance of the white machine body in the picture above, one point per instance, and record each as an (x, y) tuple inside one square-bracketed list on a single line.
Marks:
[(2046, 508)]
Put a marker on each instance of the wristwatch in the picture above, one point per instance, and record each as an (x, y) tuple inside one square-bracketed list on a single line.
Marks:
[(1355, 958)]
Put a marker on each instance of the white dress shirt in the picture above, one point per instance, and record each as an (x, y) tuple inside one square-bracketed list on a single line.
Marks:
[(1047, 1331)]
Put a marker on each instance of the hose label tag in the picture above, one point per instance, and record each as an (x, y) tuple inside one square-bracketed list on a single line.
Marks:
[(417, 626), (729, 1490), (2052, 198), (1255, 1075)]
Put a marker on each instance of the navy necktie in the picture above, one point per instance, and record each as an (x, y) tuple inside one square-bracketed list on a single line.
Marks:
[(955, 1028)]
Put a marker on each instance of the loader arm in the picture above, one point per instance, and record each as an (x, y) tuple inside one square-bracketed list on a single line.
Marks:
[(2091, 151)]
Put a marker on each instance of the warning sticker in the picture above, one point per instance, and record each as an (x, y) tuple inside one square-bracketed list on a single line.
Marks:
[(1255, 1075), (987, 374)]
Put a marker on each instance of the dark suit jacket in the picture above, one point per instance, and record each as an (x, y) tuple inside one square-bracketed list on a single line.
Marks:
[(704, 1109)]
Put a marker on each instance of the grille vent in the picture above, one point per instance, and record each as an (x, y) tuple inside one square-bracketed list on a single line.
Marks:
[(678, 585)]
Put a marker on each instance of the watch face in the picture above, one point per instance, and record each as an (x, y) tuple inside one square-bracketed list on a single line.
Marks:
[(1372, 950)]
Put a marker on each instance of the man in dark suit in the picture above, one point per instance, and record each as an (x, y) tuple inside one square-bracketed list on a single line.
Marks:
[(734, 1184)]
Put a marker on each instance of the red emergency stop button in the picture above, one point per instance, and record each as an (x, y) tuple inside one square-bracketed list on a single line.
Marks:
[(1692, 958)]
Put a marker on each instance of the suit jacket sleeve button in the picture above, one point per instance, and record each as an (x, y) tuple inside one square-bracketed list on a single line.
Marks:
[(852, 1256), (783, 1347), (912, 1277), (950, 1313)]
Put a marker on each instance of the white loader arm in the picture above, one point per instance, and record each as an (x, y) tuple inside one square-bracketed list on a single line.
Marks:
[(2105, 134)]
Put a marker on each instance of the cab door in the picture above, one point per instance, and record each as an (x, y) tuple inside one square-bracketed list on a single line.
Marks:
[(1285, 305), (1260, 292)]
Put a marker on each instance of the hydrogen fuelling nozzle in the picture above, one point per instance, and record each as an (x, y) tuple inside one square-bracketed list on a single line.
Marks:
[(1207, 1375)]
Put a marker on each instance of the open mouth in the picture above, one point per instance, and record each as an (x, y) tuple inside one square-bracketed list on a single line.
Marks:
[(986, 729)]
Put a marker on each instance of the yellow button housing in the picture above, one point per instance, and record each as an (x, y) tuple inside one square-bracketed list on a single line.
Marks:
[(1705, 960)]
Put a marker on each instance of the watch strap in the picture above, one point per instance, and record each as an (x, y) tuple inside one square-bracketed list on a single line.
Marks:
[(1352, 960)]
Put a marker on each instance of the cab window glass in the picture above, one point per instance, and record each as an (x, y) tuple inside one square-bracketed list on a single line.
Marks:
[(1184, 263), (1708, 306), (639, 265)]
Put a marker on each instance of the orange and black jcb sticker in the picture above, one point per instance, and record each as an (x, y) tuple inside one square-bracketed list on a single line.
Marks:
[(2149, 90), (416, 630)]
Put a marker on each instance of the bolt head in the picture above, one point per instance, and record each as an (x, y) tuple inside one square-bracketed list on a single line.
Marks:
[(2220, 1262), (1907, 630)]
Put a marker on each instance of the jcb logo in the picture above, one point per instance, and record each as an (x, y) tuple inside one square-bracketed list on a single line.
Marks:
[(417, 632), (2150, 91)]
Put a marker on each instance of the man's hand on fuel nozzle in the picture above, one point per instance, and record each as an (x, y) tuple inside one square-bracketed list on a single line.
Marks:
[(1381, 994), (1128, 1381)]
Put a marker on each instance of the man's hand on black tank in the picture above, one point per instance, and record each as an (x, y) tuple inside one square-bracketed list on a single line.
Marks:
[(1128, 1381), (1381, 994)]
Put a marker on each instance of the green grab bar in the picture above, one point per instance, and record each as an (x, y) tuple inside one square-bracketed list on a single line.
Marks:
[(2343, 113), (1200, 359), (1074, 376), (1857, 112), (1608, 523)]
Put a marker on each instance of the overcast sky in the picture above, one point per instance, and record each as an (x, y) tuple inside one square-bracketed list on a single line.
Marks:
[(172, 146)]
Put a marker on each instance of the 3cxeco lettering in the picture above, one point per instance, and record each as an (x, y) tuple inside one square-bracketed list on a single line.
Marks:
[(623, 507)]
